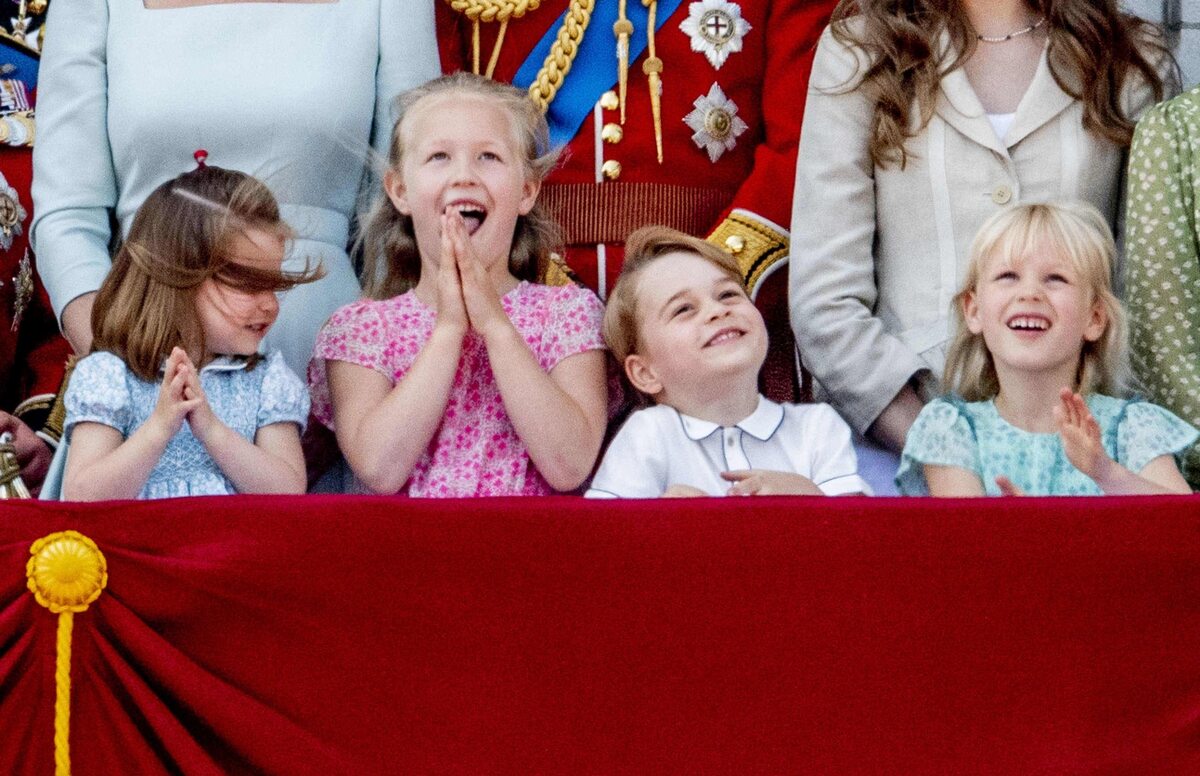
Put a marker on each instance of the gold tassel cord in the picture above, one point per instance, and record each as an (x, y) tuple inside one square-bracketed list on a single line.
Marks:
[(653, 67), (487, 11), (66, 574), (622, 29), (562, 53)]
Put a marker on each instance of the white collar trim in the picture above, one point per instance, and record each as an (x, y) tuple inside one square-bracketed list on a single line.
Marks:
[(760, 424)]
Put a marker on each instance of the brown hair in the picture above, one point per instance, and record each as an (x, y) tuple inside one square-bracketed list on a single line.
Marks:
[(620, 329), (182, 236), (391, 259), (1079, 233), (1095, 51)]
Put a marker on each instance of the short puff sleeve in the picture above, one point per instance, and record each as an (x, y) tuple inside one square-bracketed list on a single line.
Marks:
[(97, 393), (1147, 431), (356, 334), (942, 435), (284, 396), (572, 324)]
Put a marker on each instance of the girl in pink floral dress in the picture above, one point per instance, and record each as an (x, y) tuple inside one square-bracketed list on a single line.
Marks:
[(459, 375)]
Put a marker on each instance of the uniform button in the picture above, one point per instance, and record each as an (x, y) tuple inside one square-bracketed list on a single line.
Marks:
[(1001, 194), (612, 133), (611, 169), (735, 243), (609, 100)]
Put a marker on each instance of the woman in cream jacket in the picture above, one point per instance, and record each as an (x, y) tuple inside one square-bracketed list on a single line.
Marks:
[(894, 177)]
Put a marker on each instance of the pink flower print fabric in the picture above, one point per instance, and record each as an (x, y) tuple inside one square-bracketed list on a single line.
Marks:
[(476, 450)]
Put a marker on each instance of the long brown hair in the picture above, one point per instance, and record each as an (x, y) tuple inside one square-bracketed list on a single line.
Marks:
[(182, 236), (1095, 52), (391, 260)]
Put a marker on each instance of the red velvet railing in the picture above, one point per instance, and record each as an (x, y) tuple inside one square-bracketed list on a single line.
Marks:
[(817, 636)]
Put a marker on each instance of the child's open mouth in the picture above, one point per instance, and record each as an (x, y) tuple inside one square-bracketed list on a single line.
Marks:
[(1028, 323), (473, 214), (728, 334)]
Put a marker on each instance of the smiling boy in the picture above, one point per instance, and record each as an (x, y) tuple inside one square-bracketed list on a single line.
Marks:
[(680, 323)]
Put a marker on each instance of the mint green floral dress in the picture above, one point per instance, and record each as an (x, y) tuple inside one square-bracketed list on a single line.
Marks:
[(1162, 260), (973, 436)]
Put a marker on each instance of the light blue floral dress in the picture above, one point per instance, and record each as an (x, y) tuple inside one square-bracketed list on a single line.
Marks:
[(973, 436), (102, 389)]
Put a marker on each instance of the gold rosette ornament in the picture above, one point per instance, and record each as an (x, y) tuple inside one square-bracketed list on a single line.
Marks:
[(66, 574)]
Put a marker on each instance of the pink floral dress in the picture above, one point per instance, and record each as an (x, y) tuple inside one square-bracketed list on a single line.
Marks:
[(476, 450)]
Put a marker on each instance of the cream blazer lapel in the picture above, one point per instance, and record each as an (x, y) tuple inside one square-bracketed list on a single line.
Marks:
[(959, 107), (1041, 104)]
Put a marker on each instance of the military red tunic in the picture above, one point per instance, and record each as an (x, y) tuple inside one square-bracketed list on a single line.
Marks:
[(734, 78), (32, 353)]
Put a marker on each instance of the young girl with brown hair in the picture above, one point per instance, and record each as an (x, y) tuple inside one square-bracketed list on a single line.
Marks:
[(924, 118), (462, 376), (174, 399)]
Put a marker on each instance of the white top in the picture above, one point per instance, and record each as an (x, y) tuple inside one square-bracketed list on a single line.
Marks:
[(292, 93), (659, 447), (1001, 123)]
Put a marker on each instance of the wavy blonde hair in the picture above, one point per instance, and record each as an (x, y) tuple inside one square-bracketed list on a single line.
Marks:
[(388, 242), (1095, 50), (181, 236), (1079, 233)]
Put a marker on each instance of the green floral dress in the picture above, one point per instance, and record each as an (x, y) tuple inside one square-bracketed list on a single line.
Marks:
[(1162, 260)]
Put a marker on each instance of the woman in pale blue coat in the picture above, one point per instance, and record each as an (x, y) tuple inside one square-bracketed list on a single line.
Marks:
[(294, 92)]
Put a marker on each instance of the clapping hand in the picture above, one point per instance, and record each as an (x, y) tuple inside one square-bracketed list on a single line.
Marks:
[(173, 404), (1081, 435), (483, 307)]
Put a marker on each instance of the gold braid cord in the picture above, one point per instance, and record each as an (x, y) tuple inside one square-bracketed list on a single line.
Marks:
[(491, 11), (562, 53), (66, 573)]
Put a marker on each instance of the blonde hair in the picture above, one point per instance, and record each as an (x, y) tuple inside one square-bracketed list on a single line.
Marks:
[(1075, 231), (1095, 51), (181, 236), (620, 329), (391, 258)]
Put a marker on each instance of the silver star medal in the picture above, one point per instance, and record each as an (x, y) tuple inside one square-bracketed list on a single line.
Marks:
[(12, 214), (715, 124), (716, 29)]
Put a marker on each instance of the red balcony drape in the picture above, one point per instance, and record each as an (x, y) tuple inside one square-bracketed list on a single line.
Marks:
[(348, 635)]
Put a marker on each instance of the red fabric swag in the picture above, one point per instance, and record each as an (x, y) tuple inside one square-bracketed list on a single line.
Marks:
[(338, 635)]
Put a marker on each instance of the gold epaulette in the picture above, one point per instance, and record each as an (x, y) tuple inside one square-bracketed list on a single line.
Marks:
[(757, 244), (559, 273)]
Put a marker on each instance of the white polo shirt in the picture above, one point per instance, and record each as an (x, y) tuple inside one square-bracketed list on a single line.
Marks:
[(658, 447)]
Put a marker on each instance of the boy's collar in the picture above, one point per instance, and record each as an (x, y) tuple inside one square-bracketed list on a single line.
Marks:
[(760, 424)]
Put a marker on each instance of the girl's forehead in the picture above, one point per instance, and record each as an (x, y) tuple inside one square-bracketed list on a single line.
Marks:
[(427, 120)]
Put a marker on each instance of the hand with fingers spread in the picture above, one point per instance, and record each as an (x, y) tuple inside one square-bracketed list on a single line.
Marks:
[(758, 482), (484, 308), (1081, 436), (173, 405), (451, 310), (1008, 487)]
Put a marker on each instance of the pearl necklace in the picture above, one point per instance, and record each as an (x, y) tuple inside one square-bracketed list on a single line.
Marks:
[(1011, 35)]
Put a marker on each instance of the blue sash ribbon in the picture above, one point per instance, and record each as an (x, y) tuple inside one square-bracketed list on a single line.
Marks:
[(594, 70)]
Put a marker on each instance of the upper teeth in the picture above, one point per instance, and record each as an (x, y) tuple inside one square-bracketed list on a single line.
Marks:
[(467, 207), (1029, 323), (724, 336)]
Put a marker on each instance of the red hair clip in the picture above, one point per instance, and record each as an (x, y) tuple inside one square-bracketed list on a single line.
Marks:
[(201, 156)]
